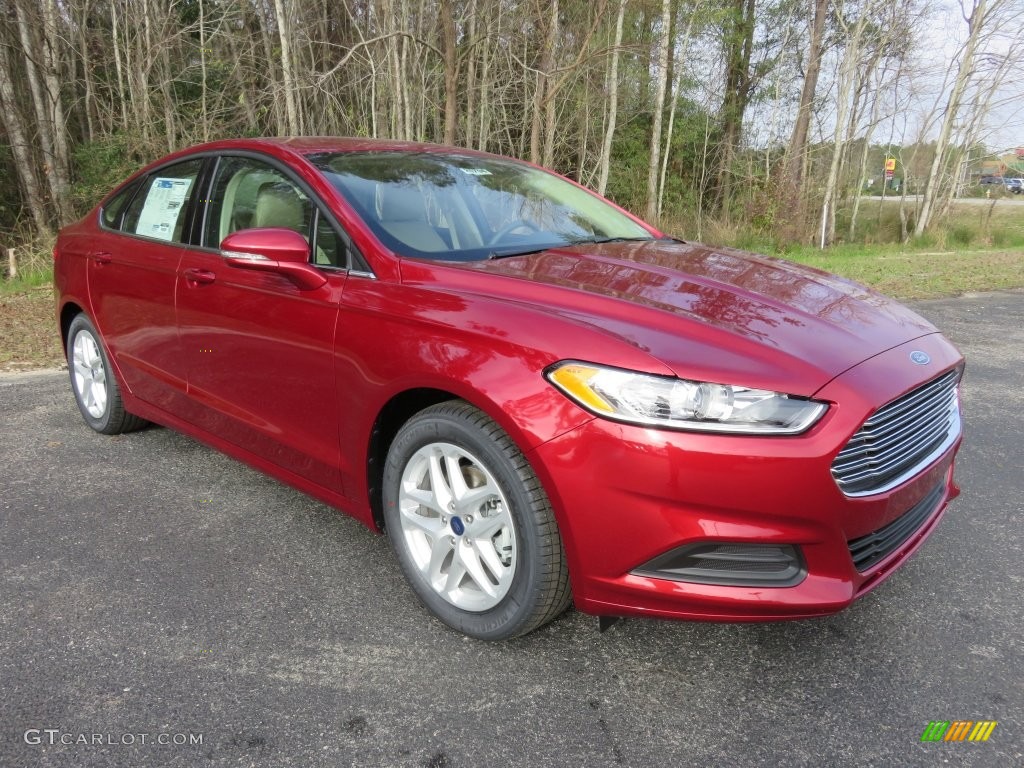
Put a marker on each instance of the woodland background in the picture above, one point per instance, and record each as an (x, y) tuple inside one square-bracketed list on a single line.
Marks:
[(764, 118)]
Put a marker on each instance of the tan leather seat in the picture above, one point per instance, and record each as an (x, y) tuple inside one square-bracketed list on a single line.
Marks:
[(278, 204), (403, 214)]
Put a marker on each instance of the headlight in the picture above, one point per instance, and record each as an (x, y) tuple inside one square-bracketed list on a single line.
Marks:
[(661, 401)]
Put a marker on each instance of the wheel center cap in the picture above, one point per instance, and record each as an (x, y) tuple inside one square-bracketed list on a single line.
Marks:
[(458, 527)]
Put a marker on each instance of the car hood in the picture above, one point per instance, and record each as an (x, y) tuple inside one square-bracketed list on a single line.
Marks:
[(714, 312)]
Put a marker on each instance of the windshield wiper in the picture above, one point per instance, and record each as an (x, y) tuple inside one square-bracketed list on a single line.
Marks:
[(525, 252), (567, 244), (602, 240)]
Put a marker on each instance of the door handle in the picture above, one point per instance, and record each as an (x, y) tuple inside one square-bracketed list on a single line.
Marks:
[(199, 276), (101, 257)]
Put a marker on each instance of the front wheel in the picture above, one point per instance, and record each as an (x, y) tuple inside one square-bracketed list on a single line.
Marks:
[(471, 526), (93, 381)]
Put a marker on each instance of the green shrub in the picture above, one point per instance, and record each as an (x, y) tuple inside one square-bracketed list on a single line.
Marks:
[(960, 235), (101, 164)]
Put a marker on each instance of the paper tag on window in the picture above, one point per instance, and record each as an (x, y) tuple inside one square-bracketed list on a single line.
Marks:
[(162, 207)]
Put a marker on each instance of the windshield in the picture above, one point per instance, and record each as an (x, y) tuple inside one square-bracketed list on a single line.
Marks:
[(463, 208)]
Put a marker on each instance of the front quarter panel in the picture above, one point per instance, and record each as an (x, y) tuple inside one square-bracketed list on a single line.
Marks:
[(393, 338)]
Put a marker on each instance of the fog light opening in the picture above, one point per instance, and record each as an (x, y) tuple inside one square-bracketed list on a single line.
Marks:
[(729, 564)]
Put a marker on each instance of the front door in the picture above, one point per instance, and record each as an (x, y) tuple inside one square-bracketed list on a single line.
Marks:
[(260, 351)]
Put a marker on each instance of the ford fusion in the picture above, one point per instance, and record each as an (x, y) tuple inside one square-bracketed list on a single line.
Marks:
[(538, 397)]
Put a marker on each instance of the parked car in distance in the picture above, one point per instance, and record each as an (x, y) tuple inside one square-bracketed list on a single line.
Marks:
[(990, 179), (1014, 185), (537, 396)]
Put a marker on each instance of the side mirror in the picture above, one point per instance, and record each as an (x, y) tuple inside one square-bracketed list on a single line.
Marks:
[(273, 249)]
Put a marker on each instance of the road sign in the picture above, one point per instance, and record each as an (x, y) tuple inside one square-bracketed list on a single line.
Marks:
[(890, 165)]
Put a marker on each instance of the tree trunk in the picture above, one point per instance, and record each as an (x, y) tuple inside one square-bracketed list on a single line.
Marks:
[(20, 148), (845, 88), (287, 73), (796, 155), (61, 159), (202, 73), (32, 55), (668, 146), (89, 99), (540, 94), (931, 187), (451, 71), (471, 84), (142, 68), (682, 47), (739, 45), (613, 102), (485, 101), (659, 109), (863, 168), (280, 119), (170, 120)]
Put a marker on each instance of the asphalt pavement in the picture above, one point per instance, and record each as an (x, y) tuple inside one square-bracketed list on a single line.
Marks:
[(164, 605)]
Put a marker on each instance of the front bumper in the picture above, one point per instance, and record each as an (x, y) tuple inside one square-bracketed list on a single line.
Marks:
[(626, 495)]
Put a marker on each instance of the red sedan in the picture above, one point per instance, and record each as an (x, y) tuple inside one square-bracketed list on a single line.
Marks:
[(537, 396)]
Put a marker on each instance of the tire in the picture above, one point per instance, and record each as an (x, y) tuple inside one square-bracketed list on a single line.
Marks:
[(482, 552), (94, 383)]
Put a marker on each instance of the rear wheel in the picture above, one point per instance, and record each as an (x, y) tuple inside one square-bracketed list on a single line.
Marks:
[(471, 526), (93, 381)]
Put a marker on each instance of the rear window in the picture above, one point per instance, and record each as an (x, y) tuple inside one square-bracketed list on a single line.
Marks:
[(111, 213), (158, 210)]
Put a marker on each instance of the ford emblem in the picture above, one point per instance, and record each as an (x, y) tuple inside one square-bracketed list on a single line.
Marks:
[(919, 357)]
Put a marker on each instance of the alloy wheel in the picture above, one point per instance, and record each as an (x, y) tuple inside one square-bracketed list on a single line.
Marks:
[(90, 375), (456, 523)]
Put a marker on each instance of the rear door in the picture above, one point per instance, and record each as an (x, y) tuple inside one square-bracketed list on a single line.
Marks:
[(259, 351), (132, 271)]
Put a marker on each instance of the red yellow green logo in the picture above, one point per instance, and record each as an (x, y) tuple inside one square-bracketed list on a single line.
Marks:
[(958, 730)]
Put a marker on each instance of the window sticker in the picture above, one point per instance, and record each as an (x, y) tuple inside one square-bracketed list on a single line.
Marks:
[(162, 208), (476, 171)]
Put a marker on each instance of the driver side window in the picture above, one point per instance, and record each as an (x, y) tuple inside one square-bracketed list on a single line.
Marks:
[(247, 193)]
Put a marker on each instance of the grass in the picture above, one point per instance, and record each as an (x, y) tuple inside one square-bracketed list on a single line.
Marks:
[(34, 263), (24, 283), (978, 247), (910, 274), (28, 328)]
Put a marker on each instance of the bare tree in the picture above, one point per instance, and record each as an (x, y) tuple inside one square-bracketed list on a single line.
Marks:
[(796, 155), (23, 162), (612, 86), (983, 18), (659, 109)]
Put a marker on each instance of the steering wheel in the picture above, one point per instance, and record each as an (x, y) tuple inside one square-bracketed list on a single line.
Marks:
[(511, 227)]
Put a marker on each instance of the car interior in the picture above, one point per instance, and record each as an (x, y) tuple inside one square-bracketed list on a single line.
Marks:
[(259, 197), (403, 214)]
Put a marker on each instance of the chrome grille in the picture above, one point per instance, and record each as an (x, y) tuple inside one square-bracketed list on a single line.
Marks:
[(900, 438)]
